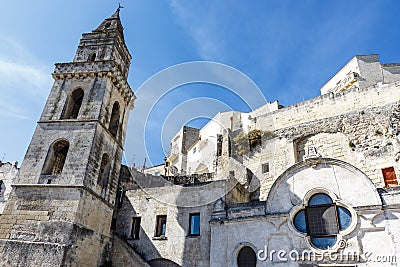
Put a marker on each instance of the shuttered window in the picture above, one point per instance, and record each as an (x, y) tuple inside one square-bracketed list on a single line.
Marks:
[(389, 177)]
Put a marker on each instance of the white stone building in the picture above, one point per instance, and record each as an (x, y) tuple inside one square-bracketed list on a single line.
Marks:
[(8, 172)]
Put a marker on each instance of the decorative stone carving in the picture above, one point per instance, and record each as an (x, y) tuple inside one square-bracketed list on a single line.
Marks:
[(311, 152)]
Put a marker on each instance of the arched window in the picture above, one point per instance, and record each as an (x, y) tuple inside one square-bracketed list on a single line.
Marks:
[(322, 220), (74, 103), (56, 158), (114, 121), (92, 57), (104, 172), (2, 190), (246, 257), (103, 53)]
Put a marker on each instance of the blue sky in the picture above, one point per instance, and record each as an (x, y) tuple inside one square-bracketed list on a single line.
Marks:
[(288, 48)]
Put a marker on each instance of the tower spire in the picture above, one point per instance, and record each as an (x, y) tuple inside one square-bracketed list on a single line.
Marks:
[(113, 23), (106, 42)]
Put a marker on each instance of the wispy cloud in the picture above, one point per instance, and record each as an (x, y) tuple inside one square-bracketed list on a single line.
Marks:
[(201, 29), (10, 110), (25, 81), (25, 77), (279, 44)]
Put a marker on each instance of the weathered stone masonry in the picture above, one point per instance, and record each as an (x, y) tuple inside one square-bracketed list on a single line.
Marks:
[(61, 216)]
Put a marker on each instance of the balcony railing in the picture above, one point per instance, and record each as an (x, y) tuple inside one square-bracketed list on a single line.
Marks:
[(187, 180), (344, 84)]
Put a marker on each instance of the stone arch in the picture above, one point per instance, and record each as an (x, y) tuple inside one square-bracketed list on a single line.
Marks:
[(55, 158), (92, 57), (246, 257), (73, 104), (239, 248), (162, 263), (103, 53), (114, 121), (104, 172), (337, 176)]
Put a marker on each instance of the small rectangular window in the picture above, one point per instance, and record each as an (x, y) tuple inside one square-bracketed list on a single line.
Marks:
[(194, 224), (161, 225), (265, 167), (135, 227), (389, 177)]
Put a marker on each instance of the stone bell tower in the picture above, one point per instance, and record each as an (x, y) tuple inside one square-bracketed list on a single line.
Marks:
[(60, 210)]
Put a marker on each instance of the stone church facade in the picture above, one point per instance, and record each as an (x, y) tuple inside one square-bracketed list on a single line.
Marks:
[(313, 184)]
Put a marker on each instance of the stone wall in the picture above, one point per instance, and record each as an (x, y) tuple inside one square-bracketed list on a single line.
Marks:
[(8, 173), (177, 245), (51, 218), (329, 105), (147, 196), (357, 126), (124, 256)]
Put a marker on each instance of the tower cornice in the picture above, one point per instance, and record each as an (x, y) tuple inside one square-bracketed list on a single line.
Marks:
[(81, 70), (93, 38)]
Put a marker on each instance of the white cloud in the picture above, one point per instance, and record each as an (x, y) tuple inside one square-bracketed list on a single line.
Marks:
[(25, 81), (25, 77), (201, 29)]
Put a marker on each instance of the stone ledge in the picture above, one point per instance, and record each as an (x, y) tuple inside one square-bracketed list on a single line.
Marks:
[(74, 121), (159, 238), (64, 186), (103, 68)]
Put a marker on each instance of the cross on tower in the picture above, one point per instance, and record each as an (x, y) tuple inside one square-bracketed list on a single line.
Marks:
[(119, 6)]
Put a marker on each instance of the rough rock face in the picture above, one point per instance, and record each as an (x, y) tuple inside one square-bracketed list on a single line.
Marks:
[(361, 130)]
